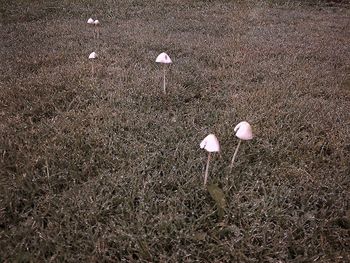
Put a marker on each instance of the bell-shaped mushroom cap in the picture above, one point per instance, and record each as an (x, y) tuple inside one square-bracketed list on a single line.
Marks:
[(163, 58), (92, 55), (210, 143), (90, 21), (96, 22), (244, 131)]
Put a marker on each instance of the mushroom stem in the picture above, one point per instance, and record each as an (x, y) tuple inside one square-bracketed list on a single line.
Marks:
[(206, 170), (164, 80), (92, 69), (234, 155)]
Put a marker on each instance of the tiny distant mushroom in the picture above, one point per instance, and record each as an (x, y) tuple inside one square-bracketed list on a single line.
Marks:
[(164, 59), (243, 132), (91, 22), (210, 144), (92, 57), (97, 28)]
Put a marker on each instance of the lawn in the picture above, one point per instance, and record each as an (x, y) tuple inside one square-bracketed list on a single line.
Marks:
[(105, 167)]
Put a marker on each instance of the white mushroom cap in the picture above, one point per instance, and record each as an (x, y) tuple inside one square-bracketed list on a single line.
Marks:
[(90, 21), (244, 131), (92, 55), (96, 22), (210, 143), (163, 58)]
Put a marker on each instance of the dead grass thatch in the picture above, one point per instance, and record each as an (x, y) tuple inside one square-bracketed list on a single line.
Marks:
[(106, 168)]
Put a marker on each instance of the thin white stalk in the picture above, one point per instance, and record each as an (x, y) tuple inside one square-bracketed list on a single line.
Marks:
[(234, 155), (164, 89), (206, 170), (92, 69)]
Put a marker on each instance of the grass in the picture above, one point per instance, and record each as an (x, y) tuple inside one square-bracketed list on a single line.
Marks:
[(109, 169)]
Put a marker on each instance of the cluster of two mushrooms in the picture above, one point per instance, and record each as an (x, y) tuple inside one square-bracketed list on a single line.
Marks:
[(96, 24), (211, 143)]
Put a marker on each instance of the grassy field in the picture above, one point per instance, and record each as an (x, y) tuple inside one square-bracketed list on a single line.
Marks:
[(106, 168)]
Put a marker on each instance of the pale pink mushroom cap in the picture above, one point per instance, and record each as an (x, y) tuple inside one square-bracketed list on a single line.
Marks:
[(92, 55), (163, 58), (210, 143), (244, 131), (96, 22), (90, 21)]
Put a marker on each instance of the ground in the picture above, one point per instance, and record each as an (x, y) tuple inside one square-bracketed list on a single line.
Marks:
[(105, 167)]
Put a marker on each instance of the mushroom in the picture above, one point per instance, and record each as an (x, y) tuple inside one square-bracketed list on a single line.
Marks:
[(165, 59), (90, 21), (97, 29), (243, 132), (92, 56), (210, 144)]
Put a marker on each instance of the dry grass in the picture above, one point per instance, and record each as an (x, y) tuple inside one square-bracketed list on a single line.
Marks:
[(109, 169)]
